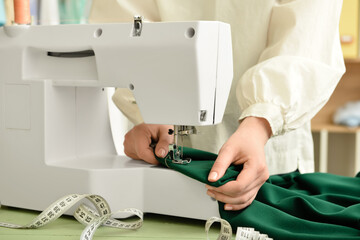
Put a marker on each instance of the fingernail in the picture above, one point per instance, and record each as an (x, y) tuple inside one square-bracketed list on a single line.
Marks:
[(161, 153), (228, 208), (213, 176)]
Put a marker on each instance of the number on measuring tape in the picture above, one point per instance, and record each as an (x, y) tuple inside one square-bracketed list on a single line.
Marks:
[(84, 214), (225, 230), (245, 233)]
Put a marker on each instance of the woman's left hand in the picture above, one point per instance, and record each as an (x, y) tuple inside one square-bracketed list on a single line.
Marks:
[(245, 146)]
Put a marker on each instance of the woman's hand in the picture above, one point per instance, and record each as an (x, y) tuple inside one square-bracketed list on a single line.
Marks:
[(245, 146), (138, 140)]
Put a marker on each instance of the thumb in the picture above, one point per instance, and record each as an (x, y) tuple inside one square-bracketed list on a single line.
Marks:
[(223, 161), (162, 147)]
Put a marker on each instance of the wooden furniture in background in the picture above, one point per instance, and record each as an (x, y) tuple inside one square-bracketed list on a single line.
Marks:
[(347, 90)]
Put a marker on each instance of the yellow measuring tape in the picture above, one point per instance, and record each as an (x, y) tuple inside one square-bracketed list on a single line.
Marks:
[(102, 216)]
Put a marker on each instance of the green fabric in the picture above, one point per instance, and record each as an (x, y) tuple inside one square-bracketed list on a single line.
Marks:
[(200, 166), (289, 206)]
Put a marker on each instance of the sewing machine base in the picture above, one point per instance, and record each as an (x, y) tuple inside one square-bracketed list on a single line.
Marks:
[(123, 182)]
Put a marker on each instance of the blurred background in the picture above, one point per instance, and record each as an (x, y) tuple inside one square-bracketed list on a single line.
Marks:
[(336, 128), (50, 12)]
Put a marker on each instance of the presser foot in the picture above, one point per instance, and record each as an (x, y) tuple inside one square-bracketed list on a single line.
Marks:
[(176, 154), (176, 151)]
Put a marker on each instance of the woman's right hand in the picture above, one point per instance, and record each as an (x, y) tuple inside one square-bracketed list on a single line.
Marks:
[(138, 140)]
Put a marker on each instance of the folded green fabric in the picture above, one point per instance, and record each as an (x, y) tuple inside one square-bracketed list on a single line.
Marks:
[(288, 206)]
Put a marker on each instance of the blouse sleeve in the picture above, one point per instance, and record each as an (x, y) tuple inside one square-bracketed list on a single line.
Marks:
[(299, 68)]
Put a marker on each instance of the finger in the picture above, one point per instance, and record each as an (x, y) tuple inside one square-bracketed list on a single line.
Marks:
[(234, 197), (232, 188), (221, 164), (130, 154), (141, 156), (222, 197), (162, 147), (144, 151), (253, 175), (235, 188), (237, 207), (147, 154)]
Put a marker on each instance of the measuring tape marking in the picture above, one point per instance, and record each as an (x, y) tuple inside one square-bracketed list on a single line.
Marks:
[(86, 215), (93, 219), (245, 233), (225, 230), (83, 214)]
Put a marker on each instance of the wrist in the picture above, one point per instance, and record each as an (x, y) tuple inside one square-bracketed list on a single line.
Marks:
[(258, 126)]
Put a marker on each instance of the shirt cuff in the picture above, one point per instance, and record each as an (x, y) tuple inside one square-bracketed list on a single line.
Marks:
[(270, 112)]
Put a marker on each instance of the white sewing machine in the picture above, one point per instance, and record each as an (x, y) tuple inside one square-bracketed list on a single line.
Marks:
[(55, 133)]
